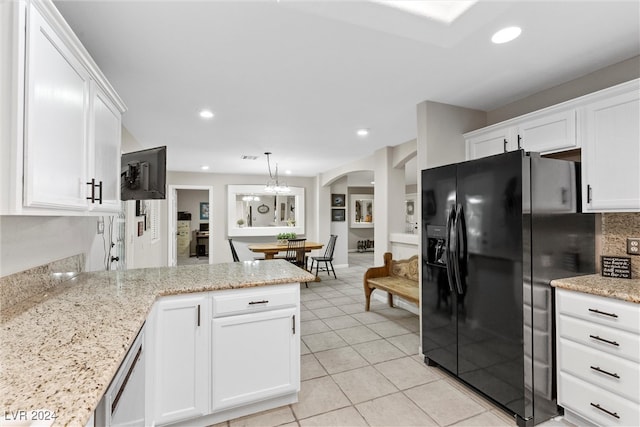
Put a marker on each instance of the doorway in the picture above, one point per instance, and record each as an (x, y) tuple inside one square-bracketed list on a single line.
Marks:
[(190, 234)]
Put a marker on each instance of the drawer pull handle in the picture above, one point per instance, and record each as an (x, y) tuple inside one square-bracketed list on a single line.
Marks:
[(613, 414), (593, 310), (264, 301), (597, 368), (595, 337)]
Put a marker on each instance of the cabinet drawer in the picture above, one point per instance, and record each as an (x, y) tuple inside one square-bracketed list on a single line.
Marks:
[(581, 397), (606, 311), (617, 375), (614, 341), (240, 301)]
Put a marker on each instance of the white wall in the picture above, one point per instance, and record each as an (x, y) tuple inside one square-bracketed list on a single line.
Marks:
[(30, 241), (339, 228), (600, 79)]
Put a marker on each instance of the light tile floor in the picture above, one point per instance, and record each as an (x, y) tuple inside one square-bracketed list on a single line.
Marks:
[(363, 369)]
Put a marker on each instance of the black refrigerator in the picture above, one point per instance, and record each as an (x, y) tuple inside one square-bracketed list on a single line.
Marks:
[(495, 232)]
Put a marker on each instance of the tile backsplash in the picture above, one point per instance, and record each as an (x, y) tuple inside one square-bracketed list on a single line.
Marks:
[(616, 227), (26, 284)]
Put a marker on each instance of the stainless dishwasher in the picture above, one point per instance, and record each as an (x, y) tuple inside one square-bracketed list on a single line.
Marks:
[(123, 403)]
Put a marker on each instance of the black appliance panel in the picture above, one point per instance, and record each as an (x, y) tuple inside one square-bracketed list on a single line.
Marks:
[(489, 263), (439, 338)]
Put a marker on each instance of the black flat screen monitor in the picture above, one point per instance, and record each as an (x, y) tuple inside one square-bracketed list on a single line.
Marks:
[(143, 175)]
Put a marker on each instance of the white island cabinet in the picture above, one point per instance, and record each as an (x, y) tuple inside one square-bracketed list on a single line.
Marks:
[(255, 345), (598, 354), (60, 122), (178, 355), (219, 355)]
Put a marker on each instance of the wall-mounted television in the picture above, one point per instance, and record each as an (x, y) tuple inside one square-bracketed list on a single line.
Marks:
[(143, 174)]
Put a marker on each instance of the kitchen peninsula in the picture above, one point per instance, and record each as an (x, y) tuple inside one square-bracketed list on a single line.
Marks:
[(62, 347)]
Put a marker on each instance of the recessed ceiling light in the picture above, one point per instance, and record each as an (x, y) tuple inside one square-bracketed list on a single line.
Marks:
[(206, 114), (506, 35), (204, 167), (362, 132), (287, 172)]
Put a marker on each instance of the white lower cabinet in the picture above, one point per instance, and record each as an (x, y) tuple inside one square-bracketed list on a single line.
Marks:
[(254, 357), (598, 359), (178, 356), (220, 355)]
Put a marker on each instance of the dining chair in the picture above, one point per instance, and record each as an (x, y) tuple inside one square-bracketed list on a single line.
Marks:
[(327, 258), (296, 253), (234, 254)]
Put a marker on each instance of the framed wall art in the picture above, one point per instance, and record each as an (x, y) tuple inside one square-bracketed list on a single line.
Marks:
[(338, 200), (337, 215), (204, 210)]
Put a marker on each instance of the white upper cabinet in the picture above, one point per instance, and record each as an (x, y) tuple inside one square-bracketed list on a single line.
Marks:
[(63, 127), (611, 151), (106, 128), (488, 142), (55, 142), (604, 125), (545, 131)]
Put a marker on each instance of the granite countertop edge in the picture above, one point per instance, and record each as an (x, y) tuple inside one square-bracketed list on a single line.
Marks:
[(595, 284), (61, 349)]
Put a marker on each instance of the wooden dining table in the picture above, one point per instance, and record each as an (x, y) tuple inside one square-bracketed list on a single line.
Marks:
[(271, 249)]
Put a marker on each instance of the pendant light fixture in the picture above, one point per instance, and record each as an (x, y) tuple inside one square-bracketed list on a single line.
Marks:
[(274, 185)]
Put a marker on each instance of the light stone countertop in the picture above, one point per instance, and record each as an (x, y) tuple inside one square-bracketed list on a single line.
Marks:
[(59, 350), (595, 284)]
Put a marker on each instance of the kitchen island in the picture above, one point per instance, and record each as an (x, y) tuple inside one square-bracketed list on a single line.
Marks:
[(61, 348)]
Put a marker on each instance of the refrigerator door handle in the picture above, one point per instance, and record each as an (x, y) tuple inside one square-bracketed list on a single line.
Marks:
[(456, 255), (448, 249)]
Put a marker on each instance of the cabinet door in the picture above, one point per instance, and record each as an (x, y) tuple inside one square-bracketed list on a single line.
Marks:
[(611, 154), (489, 143), (179, 352), (548, 133), (56, 133), (105, 152), (255, 356)]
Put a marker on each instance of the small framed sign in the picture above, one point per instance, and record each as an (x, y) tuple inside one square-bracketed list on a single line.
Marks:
[(618, 267)]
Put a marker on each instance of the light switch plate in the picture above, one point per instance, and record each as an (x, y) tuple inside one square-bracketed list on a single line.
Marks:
[(100, 225), (633, 245)]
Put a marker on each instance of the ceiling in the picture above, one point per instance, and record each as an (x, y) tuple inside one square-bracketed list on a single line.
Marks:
[(299, 78)]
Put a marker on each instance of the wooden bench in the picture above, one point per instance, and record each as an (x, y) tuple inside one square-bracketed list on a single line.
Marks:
[(395, 277)]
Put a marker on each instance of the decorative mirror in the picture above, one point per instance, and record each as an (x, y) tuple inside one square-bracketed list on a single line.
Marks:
[(362, 210), (251, 211)]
